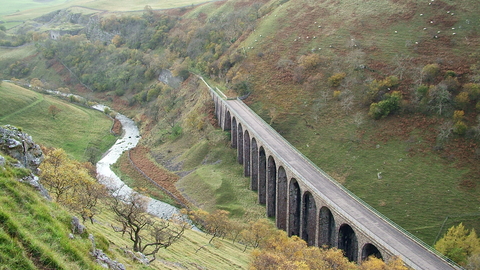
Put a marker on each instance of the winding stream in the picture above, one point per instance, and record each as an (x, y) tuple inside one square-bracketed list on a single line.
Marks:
[(130, 138)]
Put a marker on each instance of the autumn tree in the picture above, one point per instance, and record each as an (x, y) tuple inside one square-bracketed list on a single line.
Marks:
[(147, 233), (117, 41), (36, 83), (459, 243), (71, 183), (257, 233), (373, 263), (430, 72), (462, 100), (473, 90), (283, 252), (58, 173), (217, 224), (236, 229), (53, 111), (86, 197)]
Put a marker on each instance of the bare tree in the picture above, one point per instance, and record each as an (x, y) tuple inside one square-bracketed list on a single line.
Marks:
[(358, 119), (444, 132), (147, 234), (402, 64), (347, 103)]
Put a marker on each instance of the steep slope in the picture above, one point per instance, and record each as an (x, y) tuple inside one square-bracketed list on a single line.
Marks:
[(312, 69), (297, 46)]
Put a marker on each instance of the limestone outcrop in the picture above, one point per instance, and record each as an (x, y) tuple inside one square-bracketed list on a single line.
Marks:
[(21, 147)]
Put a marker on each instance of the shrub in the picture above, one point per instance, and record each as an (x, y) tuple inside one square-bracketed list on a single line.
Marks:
[(462, 100), (430, 72), (390, 82), (120, 92), (336, 94), (458, 115), (451, 84), (450, 73), (473, 90), (382, 109), (176, 132), (153, 93), (460, 128), (421, 91), (336, 79), (242, 88), (310, 61), (377, 88)]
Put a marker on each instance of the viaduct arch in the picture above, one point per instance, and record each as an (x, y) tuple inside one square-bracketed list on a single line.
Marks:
[(306, 202)]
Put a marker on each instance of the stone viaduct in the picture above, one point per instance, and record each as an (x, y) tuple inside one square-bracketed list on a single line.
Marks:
[(306, 202)]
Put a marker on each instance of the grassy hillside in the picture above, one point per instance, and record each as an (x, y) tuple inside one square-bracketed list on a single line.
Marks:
[(283, 53), (34, 232), (81, 131), (298, 45), (34, 235)]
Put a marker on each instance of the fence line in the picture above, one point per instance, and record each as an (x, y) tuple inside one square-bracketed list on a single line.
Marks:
[(177, 200)]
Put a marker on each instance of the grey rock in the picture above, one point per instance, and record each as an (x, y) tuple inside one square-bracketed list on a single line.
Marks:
[(21, 147), (77, 227)]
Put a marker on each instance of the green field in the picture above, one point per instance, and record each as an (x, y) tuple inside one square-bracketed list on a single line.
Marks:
[(18, 11), (78, 130), (11, 54)]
